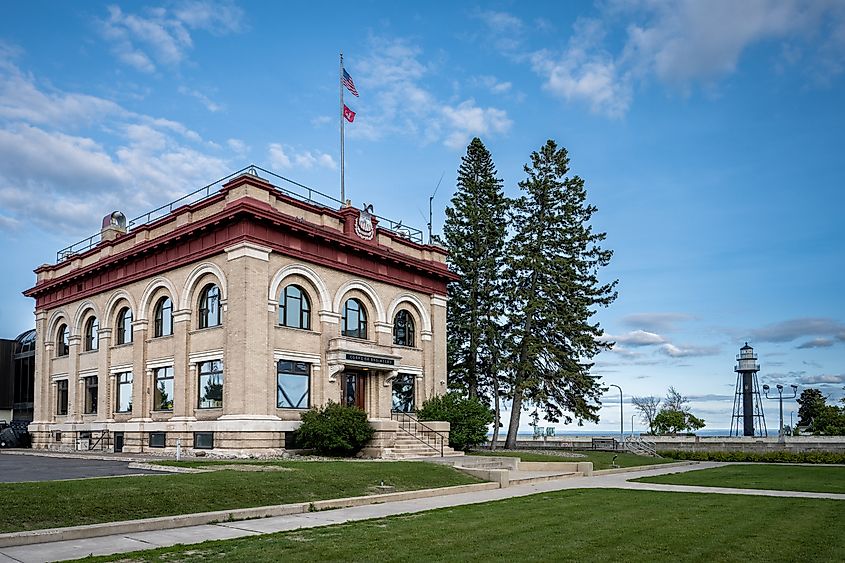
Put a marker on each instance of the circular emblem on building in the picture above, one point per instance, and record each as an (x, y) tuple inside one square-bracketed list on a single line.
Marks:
[(364, 224)]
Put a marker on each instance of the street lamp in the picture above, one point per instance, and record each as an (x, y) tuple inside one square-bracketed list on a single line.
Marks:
[(779, 398), (621, 415), (791, 426), (632, 424)]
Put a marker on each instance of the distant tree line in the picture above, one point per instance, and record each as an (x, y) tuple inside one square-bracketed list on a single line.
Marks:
[(520, 325), (817, 417), (671, 418)]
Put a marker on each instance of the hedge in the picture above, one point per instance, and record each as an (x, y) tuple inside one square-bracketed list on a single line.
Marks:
[(763, 457)]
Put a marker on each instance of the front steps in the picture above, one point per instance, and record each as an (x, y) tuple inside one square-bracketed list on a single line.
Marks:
[(417, 445)]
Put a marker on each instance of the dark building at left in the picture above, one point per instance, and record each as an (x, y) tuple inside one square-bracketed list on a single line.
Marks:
[(17, 377)]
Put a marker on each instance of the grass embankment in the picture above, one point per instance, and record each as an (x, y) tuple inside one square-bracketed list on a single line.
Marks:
[(53, 504), (771, 477), (577, 525), (601, 460)]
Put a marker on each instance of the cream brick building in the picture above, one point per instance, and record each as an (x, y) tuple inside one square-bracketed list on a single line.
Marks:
[(218, 322)]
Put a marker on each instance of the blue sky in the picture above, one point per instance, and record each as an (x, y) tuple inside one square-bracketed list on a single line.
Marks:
[(710, 136)]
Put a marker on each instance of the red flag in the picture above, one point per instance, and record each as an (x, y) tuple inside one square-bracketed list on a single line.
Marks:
[(348, 114)]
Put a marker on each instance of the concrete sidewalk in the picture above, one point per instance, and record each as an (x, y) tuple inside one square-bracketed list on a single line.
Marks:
[(122, 543)]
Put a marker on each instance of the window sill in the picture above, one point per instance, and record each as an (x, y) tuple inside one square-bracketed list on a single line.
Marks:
[(207, 328), (162, 337), (308, 330), (124, 345), (86, 352)]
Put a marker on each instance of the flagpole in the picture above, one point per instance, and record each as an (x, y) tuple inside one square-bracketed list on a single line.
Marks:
[(340, 84)]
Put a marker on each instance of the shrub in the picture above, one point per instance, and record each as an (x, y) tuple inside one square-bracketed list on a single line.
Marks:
[(335, 430), (763, 457), (468, 418)]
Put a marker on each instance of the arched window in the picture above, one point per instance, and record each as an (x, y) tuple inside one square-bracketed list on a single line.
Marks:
[(209, 306), (403, 329), (163, 318), (92, 334), (124, 326), (294, 308), (62, 348), (354, 319)]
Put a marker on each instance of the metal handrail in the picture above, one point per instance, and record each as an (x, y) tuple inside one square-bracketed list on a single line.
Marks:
[(308, 194), (439, 439), (93, 445), (641, 446)]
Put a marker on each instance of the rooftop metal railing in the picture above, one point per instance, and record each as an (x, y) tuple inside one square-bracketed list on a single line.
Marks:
[(284, 185)]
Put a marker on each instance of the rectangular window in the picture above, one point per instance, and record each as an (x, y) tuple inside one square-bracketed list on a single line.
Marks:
[(203, 440), (403, 393), (61, 397), (123, 401), (91, 386), (158, 439), (163, 400), (210, 384), (293, 385)]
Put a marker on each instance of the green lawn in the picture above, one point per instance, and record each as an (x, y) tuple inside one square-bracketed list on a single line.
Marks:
[(575, 525), (601, 460), (819, 479), (30, 506)]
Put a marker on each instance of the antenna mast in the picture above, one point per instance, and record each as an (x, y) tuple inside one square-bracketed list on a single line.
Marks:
[(430, 200)]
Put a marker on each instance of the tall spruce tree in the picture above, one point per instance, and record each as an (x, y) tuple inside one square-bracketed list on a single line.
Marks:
[(552, 290), (475, 236)]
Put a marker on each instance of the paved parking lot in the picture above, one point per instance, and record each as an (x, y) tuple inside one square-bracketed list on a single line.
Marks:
[(17, 468)]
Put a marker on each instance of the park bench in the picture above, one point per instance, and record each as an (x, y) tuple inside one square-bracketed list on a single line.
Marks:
[(607, 444)]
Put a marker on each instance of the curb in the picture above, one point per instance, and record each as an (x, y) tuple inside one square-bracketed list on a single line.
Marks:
[(30, 537), (644, 467)]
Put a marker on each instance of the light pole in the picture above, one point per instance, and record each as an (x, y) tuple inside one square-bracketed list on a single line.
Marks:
[(632, 424), (621, 415), (791, 426), (779, 398)]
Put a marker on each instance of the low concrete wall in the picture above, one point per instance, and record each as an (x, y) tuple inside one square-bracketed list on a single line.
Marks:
[(701, 443), (583, 467)]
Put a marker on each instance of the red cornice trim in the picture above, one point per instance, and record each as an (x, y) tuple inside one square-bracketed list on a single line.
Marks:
[(430, 277)]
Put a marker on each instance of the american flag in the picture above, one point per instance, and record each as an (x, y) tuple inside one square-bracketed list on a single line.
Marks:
[(347, 81)]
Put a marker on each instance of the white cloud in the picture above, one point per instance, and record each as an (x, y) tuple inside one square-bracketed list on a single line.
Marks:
[(468, 120), (687, 351), (61, 181), (637, 338), (664, 322), (209, 104), (237, 146), (163, 36), (492, 84), (286, 157), (278, 157), (680, 44), (394, 77)]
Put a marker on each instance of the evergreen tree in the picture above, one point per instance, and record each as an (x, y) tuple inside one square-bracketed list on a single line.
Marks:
[(475, 236), (552, 289)]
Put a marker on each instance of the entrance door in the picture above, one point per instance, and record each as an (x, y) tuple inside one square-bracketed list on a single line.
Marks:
[(353, 389), (118, 442)]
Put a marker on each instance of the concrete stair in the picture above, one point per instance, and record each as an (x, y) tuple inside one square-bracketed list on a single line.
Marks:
[(417, 445)]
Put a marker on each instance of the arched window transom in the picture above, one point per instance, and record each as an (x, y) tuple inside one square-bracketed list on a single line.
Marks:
[(209, 306), (62, 346), (403, 329), (294, 308), (124, 326), (354, 319), (92, 334), (163, 318)]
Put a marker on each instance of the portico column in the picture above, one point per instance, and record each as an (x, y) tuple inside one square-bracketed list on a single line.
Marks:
[(141, 395), (74, 396), (43, 353), (438, 345), (103, 381), (183, 402), (248, 350)]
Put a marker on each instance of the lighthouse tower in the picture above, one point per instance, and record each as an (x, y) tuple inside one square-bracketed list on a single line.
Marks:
[(748, 407)]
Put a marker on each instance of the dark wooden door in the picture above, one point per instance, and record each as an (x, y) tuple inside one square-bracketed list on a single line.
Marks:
[(354, 389)]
